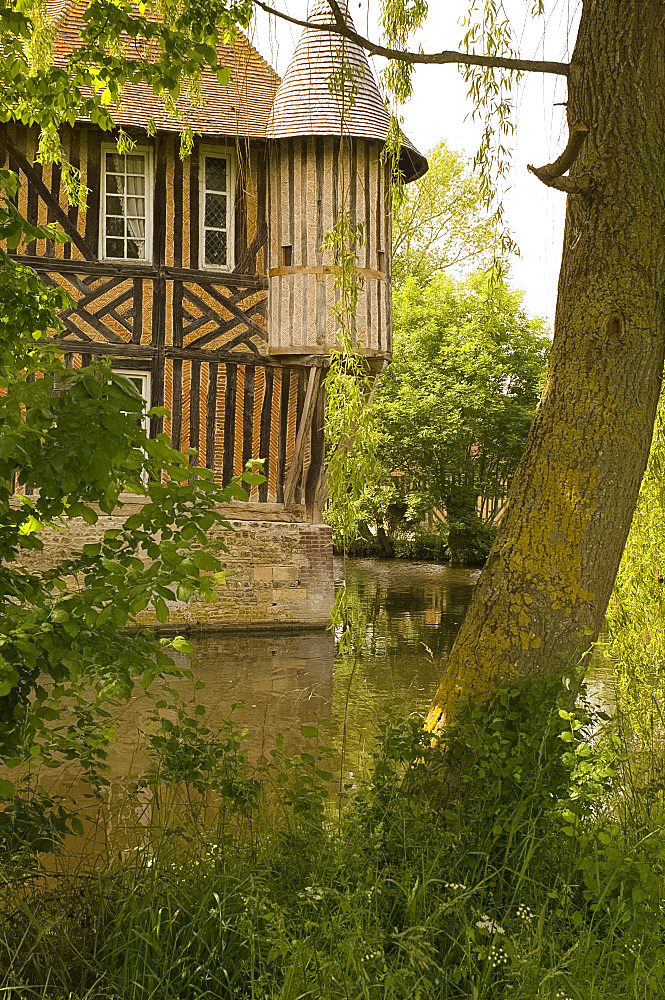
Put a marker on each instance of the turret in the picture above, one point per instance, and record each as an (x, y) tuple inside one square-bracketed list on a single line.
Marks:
[(326, 155)]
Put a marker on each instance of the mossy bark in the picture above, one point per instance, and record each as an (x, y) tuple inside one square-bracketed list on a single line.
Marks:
[(542, 597)]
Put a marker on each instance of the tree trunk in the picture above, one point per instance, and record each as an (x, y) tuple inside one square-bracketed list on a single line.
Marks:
[(542, 597), (386, 546)]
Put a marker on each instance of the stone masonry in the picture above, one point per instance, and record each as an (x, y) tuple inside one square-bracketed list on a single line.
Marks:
[(281, 569)]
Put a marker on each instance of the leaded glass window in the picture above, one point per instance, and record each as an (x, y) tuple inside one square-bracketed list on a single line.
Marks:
[(125, 205), (216, 211)]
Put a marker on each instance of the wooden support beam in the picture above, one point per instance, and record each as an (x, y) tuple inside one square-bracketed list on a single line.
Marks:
[(317, 468), (61, 217), (130, 350), (321, 271), (128, 269), (295, 468)]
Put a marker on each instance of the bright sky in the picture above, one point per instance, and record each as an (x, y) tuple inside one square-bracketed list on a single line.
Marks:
[(439, 109)]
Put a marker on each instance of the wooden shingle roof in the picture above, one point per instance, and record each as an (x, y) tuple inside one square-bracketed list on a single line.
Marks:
[(241, 108), (253, 103), (306, 104)]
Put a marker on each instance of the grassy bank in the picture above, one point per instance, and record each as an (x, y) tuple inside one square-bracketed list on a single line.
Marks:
[(524, 859)]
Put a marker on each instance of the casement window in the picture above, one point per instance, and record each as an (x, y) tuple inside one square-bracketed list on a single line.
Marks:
[(126, 207), (141, 382), (217, 185)]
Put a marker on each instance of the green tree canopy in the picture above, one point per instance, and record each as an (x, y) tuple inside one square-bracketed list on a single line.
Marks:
[(454, 408), (442, 225)]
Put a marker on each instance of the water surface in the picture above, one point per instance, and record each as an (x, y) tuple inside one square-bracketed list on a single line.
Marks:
[(274, 684)]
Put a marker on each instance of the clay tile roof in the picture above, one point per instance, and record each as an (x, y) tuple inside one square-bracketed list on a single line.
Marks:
[(241, 108), (304, 104)]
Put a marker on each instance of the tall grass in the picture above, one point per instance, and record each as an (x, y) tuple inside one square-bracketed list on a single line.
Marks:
[(539, 875)]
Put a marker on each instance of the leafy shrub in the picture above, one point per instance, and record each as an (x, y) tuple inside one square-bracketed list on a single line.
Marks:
[(427, 544)]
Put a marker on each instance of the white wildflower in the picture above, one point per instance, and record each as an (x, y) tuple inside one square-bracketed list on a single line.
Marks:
[(312, 893), (487, 924), (497, 956)]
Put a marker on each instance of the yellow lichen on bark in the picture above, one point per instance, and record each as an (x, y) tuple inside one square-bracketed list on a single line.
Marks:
[(542, 549)]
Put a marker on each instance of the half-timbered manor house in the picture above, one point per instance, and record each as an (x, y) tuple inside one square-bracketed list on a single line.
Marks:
[(205, 282)]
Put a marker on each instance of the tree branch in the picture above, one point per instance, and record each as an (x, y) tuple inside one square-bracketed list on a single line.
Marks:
[(340, 20), (340, 27), (552, 173)]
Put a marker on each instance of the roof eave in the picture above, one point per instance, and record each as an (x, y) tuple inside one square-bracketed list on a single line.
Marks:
[(412, 164)]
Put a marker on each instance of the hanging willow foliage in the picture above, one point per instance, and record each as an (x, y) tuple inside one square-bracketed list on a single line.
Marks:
[(349, 431)]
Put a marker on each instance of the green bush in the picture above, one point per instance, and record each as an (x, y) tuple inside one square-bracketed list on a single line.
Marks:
[(473, 541), (469, 541), (427, 544)]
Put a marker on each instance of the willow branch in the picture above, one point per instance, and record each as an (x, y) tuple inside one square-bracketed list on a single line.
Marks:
[(340, 27), (552, 173)]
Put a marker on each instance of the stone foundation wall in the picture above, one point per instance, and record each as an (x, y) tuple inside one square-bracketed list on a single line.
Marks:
[(281, 570), (281, 573)]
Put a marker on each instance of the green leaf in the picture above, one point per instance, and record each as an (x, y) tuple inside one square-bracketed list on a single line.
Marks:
[(6, 789), (88, 515), (309, 732), (184, 591), (181, 645), (161, 610), (8, 677)]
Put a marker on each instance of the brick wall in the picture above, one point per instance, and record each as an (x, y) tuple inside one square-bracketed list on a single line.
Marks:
[(281, 571)]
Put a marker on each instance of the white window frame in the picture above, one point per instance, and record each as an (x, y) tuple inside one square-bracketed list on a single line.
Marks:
[(108, 147), (229, 154), (146, 391)]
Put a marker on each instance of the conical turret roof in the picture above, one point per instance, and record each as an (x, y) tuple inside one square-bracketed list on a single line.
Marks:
[(306, 104)]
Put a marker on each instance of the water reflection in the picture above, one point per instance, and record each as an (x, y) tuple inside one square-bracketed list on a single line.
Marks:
[(278, 682), (275, 684), (409, 605), (413, 612)]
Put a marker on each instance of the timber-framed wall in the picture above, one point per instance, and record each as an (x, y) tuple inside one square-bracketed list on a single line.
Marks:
[(207, 279), (201, 333)]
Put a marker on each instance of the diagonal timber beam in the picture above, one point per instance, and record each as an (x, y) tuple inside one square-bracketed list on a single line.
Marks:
[(295, 468)]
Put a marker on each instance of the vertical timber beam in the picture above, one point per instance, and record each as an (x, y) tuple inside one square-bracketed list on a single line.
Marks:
[(316, 471), (159, 286), (295, 468)]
